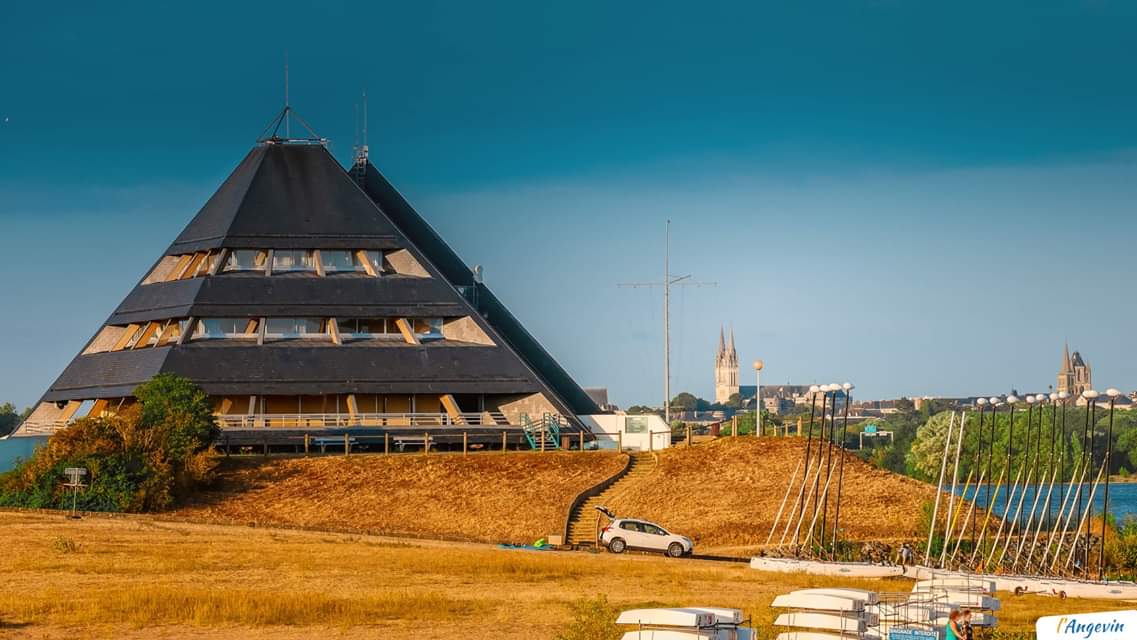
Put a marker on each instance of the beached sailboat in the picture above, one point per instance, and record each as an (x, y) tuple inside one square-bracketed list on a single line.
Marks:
[(825, 568), (685, 623)]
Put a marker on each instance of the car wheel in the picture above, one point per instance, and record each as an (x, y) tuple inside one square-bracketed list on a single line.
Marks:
[(675, 550), (617, 545)]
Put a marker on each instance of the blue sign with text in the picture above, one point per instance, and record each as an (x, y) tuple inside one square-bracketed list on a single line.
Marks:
[(912, 634)]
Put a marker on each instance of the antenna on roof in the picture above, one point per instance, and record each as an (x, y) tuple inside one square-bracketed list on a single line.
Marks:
[(355, 123), (287, 108), (269, 133), (361, 150), (359, 166)]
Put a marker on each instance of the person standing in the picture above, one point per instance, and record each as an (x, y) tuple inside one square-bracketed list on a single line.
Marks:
[(965, 625), (952, 630)]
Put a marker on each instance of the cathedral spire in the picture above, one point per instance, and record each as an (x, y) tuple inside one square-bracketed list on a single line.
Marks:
[(722, 341), (730, 347), (1067, 366)]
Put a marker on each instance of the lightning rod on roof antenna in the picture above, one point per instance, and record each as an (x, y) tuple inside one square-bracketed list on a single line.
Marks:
[(287, 129), (364, 148)]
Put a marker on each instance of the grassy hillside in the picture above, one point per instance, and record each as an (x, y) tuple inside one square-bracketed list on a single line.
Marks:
[(515, 497), (725, 493), (139, 579)]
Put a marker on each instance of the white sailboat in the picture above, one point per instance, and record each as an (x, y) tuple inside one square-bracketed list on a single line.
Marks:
[(827, 620), (685, 623)]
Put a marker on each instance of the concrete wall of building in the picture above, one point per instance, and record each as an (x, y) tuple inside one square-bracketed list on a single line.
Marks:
[(465, 330), (403, 263), (611, 429), (533, 405)]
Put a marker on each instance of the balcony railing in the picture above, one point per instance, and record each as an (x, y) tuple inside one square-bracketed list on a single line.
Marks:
[(40, 427), (316, 421), (333, 420)]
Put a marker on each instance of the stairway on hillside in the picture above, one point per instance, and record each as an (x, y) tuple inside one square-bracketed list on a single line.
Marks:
[(582, 523)]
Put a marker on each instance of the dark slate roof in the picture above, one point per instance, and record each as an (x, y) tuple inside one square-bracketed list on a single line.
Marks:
[(298, 196), (238, 295), (297, 368), (287, 196), (504, 327)]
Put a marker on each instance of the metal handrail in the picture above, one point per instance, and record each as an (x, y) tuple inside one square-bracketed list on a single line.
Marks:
[(317, 420), (325, 420)]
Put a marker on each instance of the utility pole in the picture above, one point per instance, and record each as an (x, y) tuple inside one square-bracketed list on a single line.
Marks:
[(667, 282)]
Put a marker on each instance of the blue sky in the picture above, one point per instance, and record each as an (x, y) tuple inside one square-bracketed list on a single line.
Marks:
[(922, 200)]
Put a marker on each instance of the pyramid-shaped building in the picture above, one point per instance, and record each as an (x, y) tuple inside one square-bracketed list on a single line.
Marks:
[(306, 296)]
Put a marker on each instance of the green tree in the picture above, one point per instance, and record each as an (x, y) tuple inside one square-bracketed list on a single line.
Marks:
[(687, 402), (180, 412), (638, 410), (9, 419), (139, 460), (926, 454)]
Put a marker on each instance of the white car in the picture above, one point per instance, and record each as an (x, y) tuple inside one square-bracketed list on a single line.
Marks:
[(628, 533)]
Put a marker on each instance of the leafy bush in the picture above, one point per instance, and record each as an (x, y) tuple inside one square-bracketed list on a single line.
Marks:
[(593, 619), (64, 544), (138, 460), (1121, 547)]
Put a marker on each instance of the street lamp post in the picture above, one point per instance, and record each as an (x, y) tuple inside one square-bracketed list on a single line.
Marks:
[(758, 364)]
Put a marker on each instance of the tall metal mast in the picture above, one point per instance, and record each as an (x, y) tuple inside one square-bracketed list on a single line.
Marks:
[(668, 280), (667, 327)]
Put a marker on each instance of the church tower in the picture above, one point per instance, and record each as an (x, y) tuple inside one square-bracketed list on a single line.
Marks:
[(1075, 376), (726, 368)]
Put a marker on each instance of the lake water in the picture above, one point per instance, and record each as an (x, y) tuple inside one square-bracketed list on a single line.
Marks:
[(13, 449), (1122, 499)]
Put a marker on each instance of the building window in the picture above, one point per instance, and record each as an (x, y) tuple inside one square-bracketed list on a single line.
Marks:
[(346, 261), (635, 424), (246, 260), (289, 328), (366, 328), (375, 257), (428, 328), (292, 260), (221, 328), (336, 261)]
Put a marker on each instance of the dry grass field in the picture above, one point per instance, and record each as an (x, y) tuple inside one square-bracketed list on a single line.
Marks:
[(138, 578), (485, 497), (725, 494)]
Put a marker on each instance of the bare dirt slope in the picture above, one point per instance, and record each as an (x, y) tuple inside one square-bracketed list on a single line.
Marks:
[(516, 497), (726, 493)]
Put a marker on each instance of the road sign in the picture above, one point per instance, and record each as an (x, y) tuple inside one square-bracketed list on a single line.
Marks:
[(912, 634), (75, 476)]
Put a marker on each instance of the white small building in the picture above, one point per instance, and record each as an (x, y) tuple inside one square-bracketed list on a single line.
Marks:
[(635, 433)]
